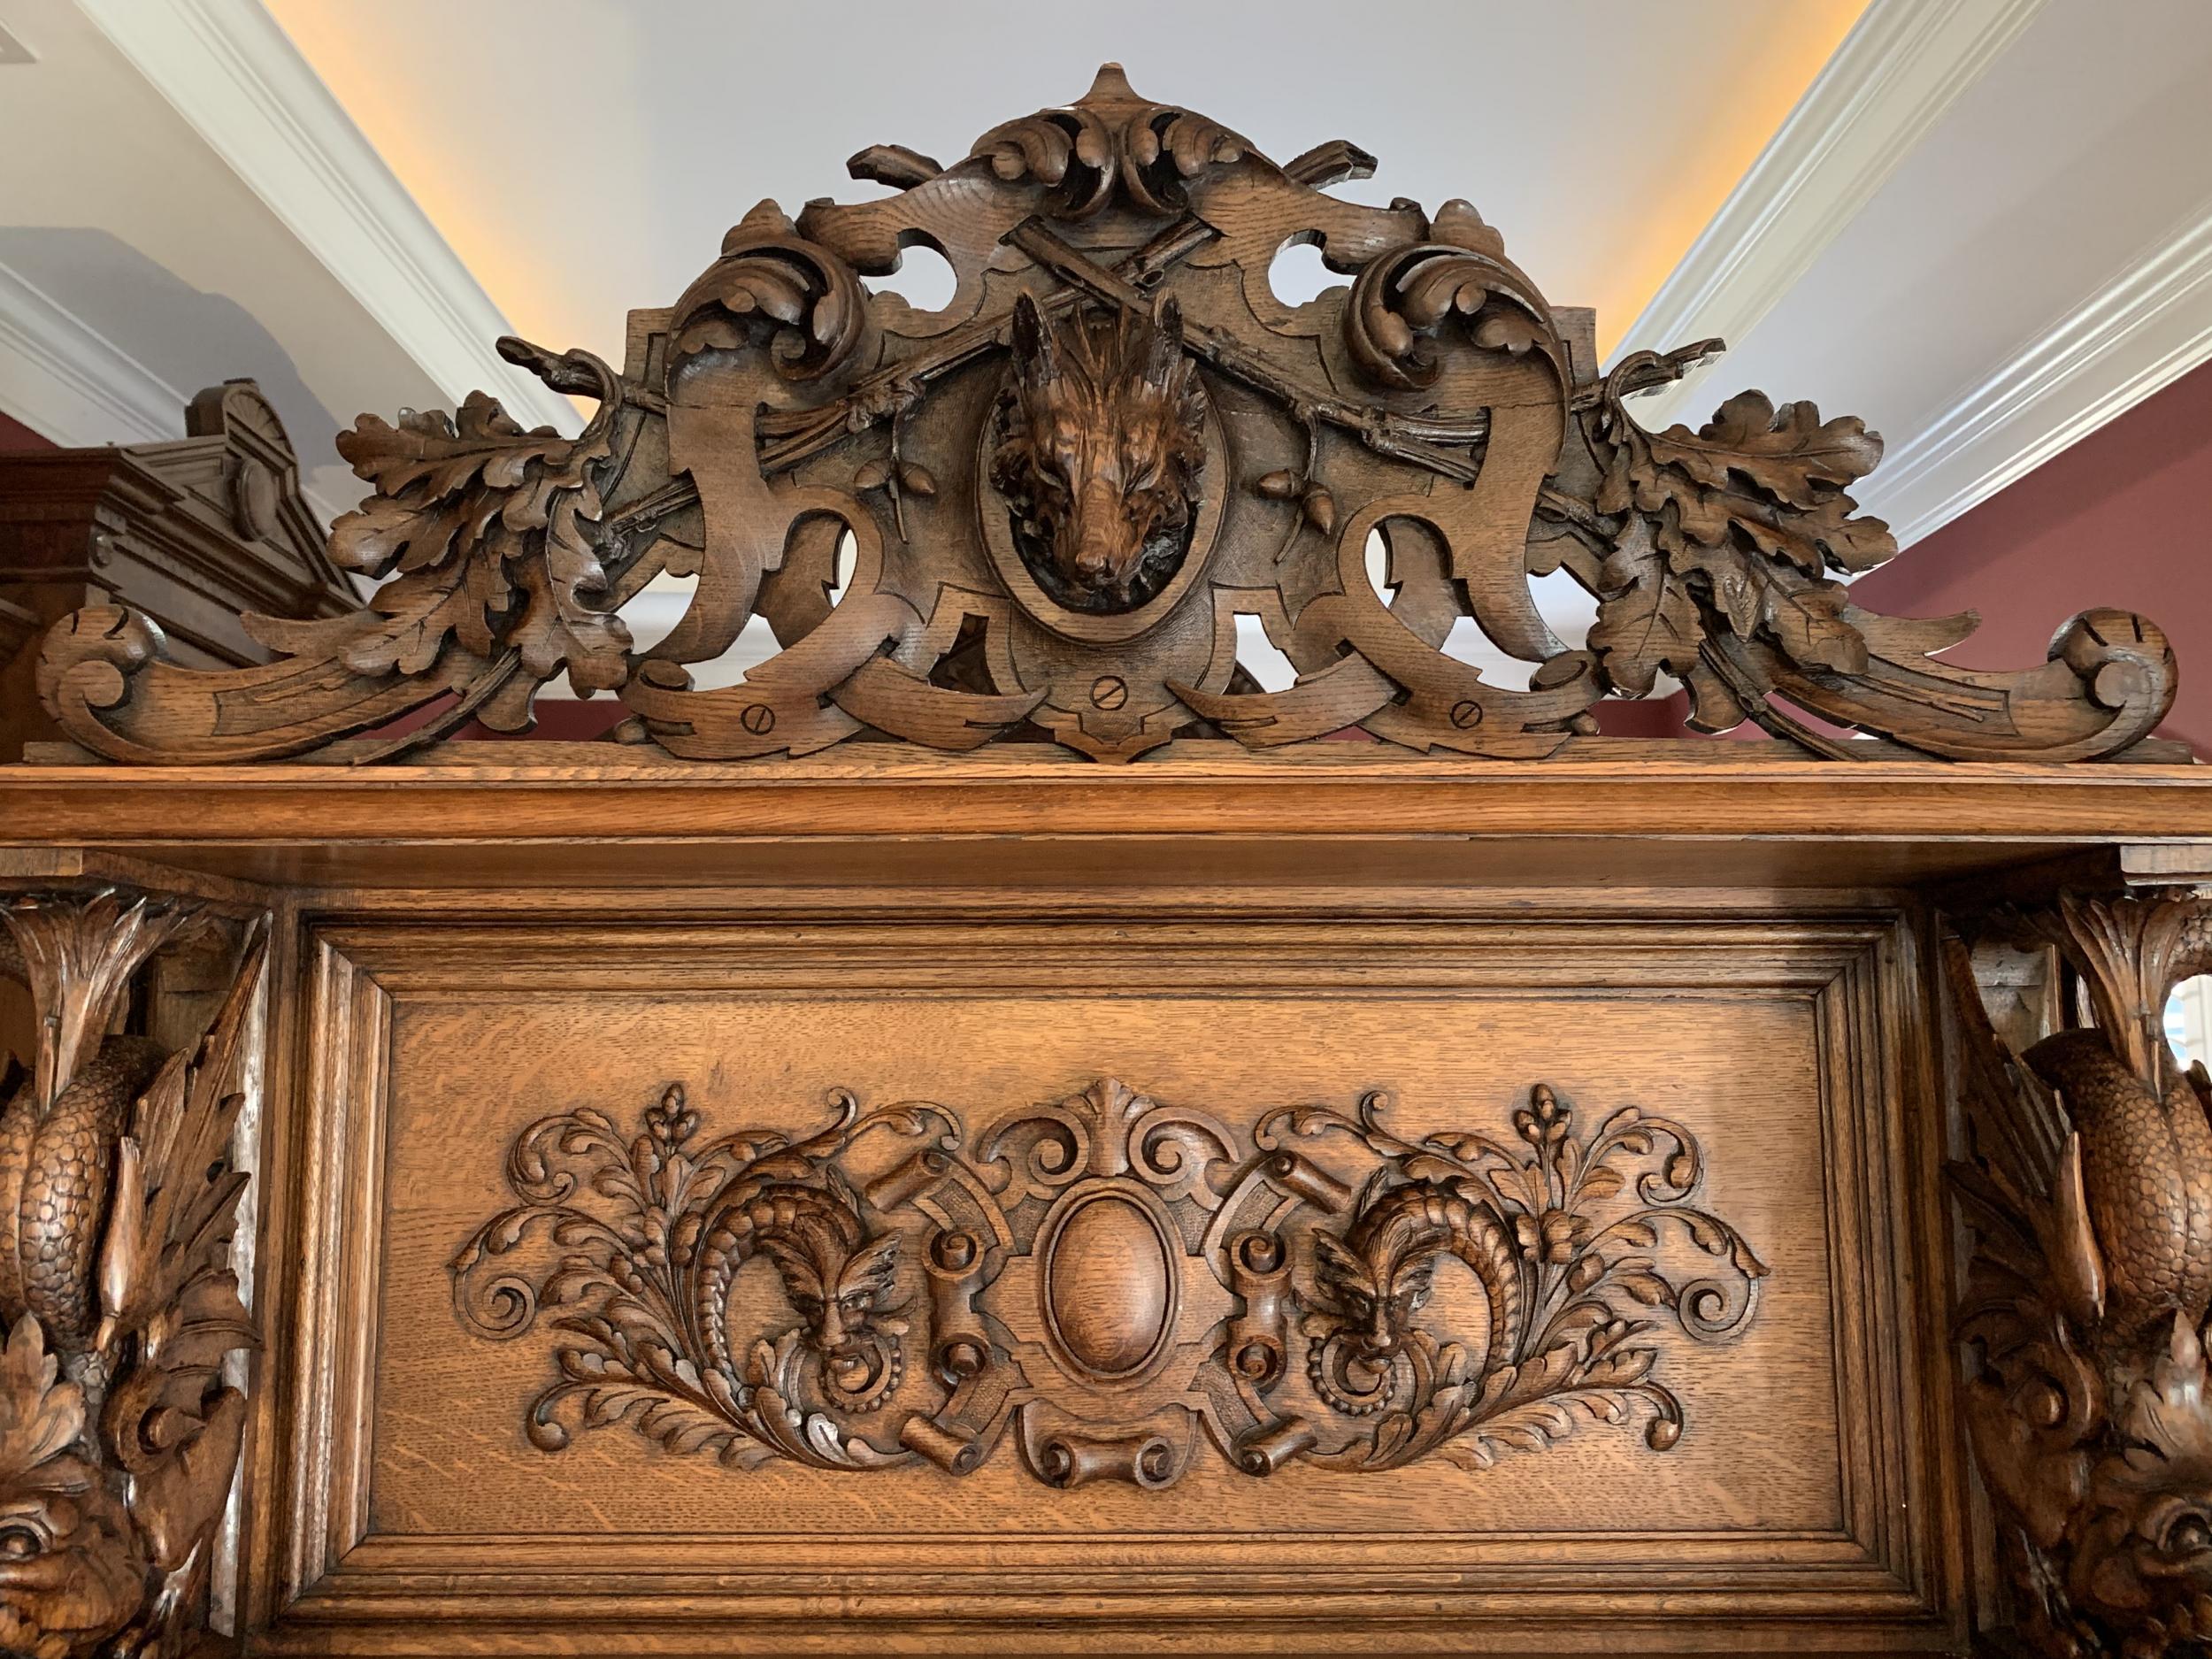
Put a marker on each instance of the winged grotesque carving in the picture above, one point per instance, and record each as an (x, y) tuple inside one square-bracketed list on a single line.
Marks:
[(2088, 1190), (1040, 510), (119, 1432)]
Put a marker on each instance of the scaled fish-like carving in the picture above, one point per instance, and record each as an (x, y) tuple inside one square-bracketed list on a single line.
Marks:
[(2089, 1193), (118, 1436)]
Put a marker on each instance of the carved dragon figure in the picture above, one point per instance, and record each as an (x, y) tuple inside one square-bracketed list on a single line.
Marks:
[(2090, 1195), (1380, 1276), (118, 1200), (1099, 451)]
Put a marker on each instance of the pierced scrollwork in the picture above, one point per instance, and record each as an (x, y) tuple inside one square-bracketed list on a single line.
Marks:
[(1062, 490), (653, 1230), (1562, 1235), (1109, 1281)]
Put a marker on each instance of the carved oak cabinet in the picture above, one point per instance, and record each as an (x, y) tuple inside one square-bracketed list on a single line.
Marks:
[(991, 1135)]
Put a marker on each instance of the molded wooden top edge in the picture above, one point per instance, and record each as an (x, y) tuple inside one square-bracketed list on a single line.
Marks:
[(581, 793)]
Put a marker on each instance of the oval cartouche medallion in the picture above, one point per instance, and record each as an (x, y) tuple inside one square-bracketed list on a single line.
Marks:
[(1109, 1285)]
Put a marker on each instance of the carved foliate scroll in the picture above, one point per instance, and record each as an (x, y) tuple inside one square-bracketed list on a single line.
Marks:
[(119, 1435), (2088, 1192), (1058, 495), (1108, 1281)]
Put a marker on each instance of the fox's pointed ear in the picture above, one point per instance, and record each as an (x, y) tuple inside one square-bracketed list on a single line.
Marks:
[(1032, 341), (1167, 343)]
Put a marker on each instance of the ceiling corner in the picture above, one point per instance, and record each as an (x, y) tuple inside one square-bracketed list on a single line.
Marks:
[(235, 78), (1904, 63)]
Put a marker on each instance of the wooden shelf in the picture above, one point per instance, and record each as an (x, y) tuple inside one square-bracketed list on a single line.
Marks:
[(1211, 816)]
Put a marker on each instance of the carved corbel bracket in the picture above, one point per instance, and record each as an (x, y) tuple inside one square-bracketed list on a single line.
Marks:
[(2086, 1189), (119, 1310)]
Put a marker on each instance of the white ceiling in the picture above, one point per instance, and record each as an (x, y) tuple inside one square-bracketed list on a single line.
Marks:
[(120, 227), (1983, 225), (2082, 153), (585, 158)]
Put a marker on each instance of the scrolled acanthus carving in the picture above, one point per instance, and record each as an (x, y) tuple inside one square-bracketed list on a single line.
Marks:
[(1110, 1282), (119, 1435), (487, 533), (2087, 1192), (1716, 553), (1113, 143)]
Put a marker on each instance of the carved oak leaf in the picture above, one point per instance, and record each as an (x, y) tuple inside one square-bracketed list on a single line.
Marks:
[(1777, 475), (41, 1416), (1808, 624), (489, 529), (1714, 705), (1647, 620)]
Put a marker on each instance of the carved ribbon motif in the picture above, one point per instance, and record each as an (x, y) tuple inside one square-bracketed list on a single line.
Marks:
[(1056, 497), (119, 1435), (1108, 1281), (2088, 1192)]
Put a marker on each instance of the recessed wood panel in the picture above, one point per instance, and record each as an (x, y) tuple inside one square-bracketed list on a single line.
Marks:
[(1774, 1045)]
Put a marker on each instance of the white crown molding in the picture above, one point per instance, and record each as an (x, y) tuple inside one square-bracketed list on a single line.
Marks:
[(236, 76), (2144, 330), (1903, 63), (66, 380)]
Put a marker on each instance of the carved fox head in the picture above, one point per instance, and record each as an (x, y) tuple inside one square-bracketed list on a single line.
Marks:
[(1101, 445)]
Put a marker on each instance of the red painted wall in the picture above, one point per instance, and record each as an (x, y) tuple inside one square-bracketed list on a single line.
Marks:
[(15, 435), (2118, 519)]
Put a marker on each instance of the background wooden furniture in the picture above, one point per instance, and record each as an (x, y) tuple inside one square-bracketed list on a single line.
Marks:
[(190, 532)]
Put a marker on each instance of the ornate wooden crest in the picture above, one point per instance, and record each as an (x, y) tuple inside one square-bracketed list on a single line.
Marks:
[(1062, 490)]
